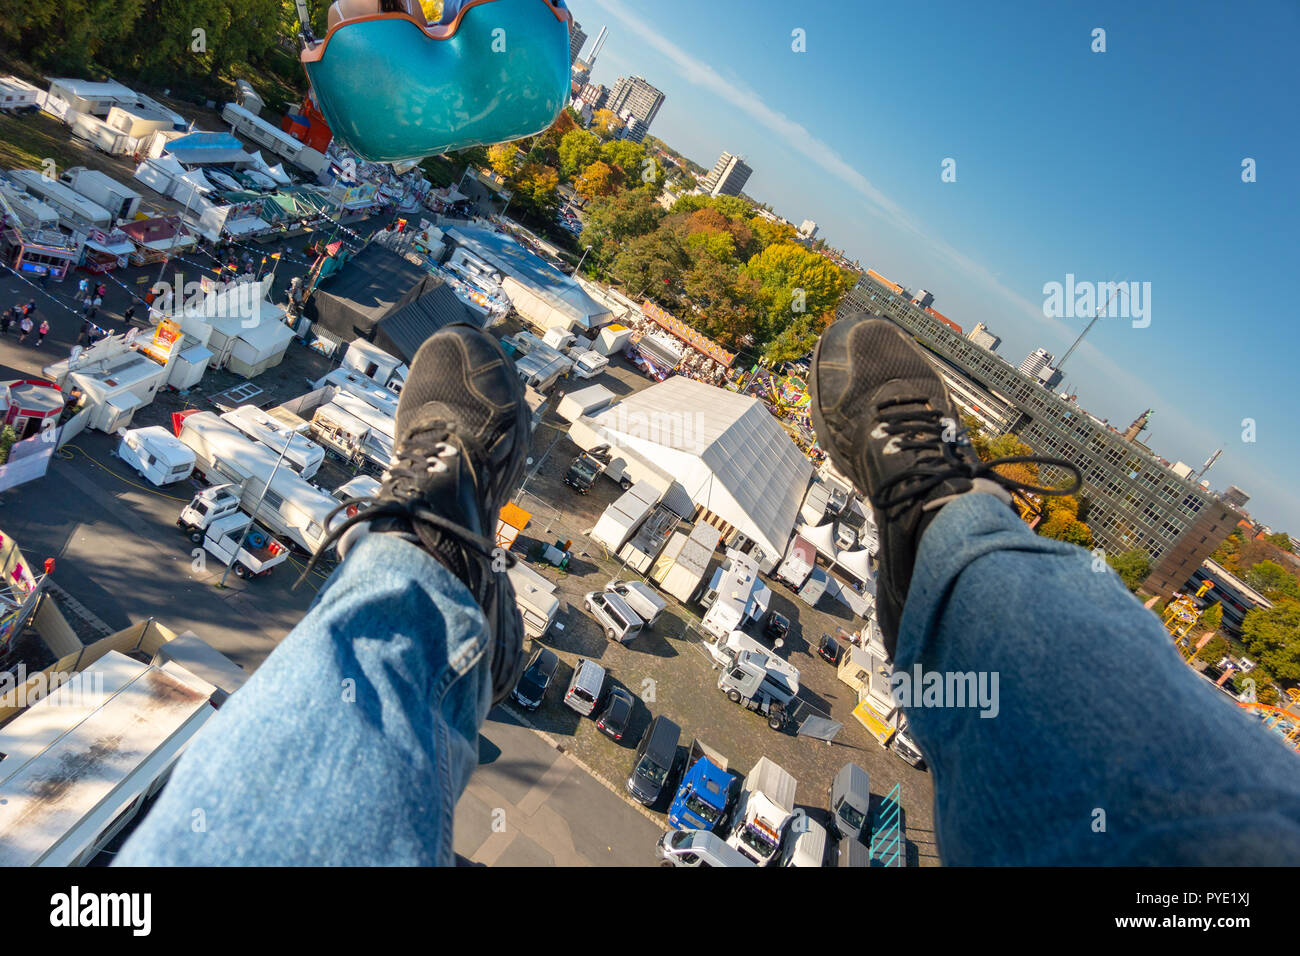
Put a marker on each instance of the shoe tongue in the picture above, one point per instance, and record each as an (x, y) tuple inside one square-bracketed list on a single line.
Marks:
[(430, 416)]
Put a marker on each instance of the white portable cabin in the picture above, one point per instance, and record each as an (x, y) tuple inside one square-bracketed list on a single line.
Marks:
[(682, 565), (621, 519), (100, 135), (644, 547), (584, 401), (120, 201), (358, 385), (81, 762), (137, 121), (535, 598), (187, 368), (300, 452), (156, 454), (117, 385), (291, 507), (374, 363), (31, 212), (337, 428), (89, 96), (75, 211), (16, 94)]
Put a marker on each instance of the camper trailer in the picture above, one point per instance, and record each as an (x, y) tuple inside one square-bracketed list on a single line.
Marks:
[(76, 212), (105, 191), (535, 598), (302, 454), (290, 507), (157, 454)]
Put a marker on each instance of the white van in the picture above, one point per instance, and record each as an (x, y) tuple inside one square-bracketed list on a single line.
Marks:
[(618, 621), (641, 598), (156, 454), (805, 841), (698, 848)]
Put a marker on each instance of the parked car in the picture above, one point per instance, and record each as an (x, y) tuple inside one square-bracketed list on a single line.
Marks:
[(585, 686), (617, 714), (776, 627), (618, 621), (656, 756), (536, 678), (829, 649)]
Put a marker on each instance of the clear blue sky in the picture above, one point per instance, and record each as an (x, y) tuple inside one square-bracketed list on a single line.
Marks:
[(1117, 165)]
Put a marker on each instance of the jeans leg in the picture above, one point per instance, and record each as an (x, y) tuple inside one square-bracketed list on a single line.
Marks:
[(352, 743), (1102, 746)]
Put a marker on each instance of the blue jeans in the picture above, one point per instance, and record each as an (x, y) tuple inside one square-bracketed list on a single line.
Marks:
[(1105, 747), (352, 742)]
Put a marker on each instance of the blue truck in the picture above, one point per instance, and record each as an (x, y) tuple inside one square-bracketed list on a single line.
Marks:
[(707, 792)]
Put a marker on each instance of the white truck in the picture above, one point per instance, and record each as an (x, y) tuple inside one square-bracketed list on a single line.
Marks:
[(755, 677), (259, 553), (213, 519), (734, 596), (290, 507), (765, 808)]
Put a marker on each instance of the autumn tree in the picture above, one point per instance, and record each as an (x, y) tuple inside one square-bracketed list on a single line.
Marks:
[(578, 150)]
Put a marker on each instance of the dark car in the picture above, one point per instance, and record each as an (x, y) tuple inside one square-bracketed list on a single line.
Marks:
[(829, 649), (536, 678), (776, 627), (617, 714)]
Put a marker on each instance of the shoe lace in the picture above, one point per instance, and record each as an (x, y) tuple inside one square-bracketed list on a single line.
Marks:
[(923, 430), (400, 499)]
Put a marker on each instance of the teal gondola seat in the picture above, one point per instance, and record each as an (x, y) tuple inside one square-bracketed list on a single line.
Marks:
[(392, 88)]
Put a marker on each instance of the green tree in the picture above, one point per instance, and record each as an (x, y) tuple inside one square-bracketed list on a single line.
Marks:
[(1132, 567), (1228, 552), (1214, 649), (627, 158), (1280, 539), (1273, 581), (1272, 635), (7, 439), (578, 150), (1212, 617), (504, 159), (596, 181)]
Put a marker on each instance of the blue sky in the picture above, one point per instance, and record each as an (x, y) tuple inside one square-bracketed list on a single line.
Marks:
[(1122, 165)]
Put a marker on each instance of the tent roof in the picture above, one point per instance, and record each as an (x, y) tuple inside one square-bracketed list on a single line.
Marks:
[(379, 296), (725, 450), (512, 259)]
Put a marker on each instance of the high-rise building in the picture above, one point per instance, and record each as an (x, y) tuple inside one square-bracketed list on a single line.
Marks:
[(1235, 497), (1135, 500), (1037, 360), (636, 95), (728, 176), (594, 95), (923, 298), (633, 128), (982, 337), (577, 37), (808, 229)]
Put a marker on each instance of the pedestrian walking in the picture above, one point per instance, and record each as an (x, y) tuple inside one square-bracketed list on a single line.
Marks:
[(129, 314), (7, 319), (25, 327), (43, 331), (101, 290), (98, 301), (82, 286)]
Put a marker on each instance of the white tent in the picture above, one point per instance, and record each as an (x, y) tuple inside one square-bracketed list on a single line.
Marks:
[(725, 450), (856, 563), (822, 537)]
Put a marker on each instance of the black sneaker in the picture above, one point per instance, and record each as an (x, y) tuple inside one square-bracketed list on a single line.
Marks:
[(462, 437), (884, 417)]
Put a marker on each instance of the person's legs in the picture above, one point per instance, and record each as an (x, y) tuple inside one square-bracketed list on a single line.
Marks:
[(352, 743), (1101, 745)]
